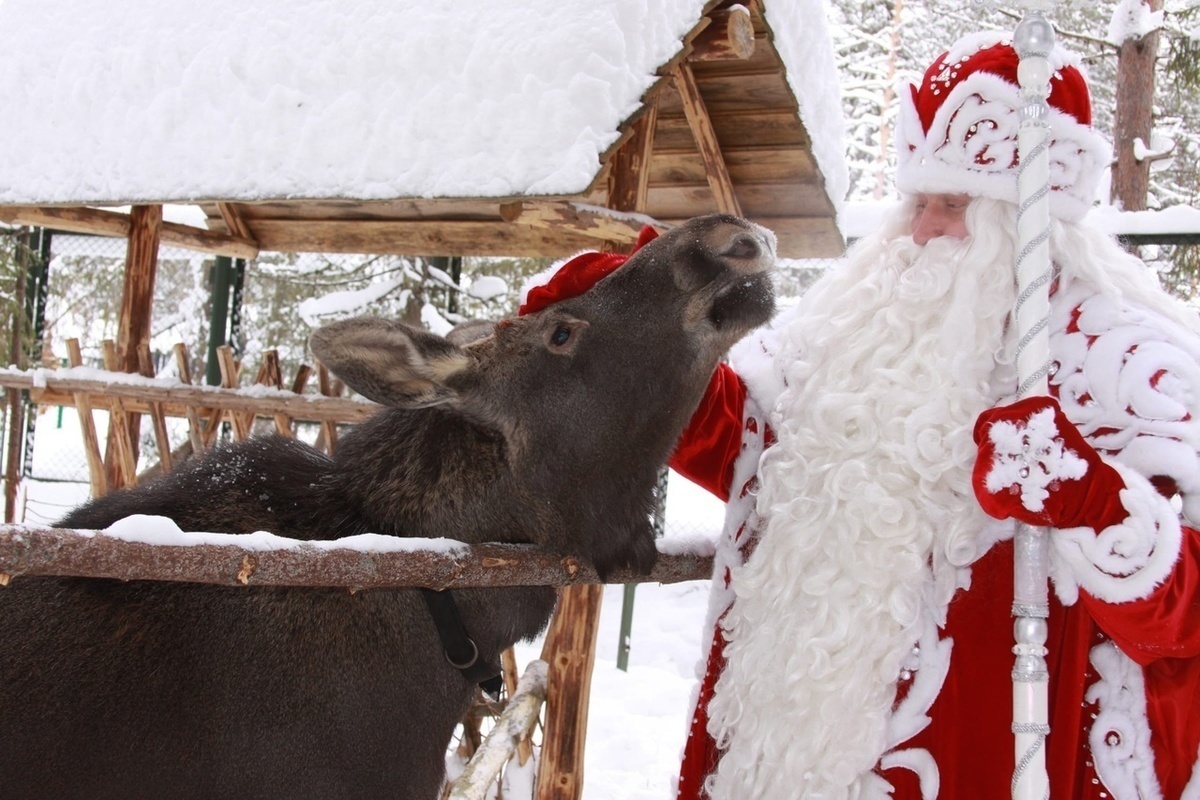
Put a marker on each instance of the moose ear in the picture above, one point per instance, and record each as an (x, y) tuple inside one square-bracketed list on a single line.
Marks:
[(389, 362)]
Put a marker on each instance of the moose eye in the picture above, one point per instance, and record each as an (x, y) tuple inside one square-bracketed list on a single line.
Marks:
[(564, 336), (561, 335)]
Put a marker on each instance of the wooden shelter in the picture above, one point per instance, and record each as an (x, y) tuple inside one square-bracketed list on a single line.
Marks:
[(713, 119), (718, 128)]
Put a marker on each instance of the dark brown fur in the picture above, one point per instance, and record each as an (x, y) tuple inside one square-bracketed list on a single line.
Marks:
[(157, 690)]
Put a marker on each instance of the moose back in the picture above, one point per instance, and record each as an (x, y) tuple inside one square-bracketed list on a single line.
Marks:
[(550, 431)]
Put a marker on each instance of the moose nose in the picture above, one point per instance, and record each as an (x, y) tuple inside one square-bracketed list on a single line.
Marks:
[(749, 245), (744, 246)]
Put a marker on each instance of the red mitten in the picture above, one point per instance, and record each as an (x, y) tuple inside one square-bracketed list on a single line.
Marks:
[(1034, 465)]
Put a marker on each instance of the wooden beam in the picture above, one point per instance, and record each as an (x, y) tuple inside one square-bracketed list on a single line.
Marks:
[(57, 388), (419, 238), (591, 221), (75, 219), (137, 295), (706, 141), (729, 36), (224, 560)]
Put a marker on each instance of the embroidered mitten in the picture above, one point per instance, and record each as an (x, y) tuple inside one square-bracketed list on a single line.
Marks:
[(1035, 466)]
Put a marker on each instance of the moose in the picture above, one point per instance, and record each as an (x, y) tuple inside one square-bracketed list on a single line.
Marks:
[(549, 431)]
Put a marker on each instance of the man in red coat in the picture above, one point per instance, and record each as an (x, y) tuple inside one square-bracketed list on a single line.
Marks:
[(873, 459)]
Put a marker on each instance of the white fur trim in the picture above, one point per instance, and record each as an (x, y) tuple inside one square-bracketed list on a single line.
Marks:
[(1120, 735), (756, 360), (971, 148), (1129, 378), (1123, 562), (1192, 790), (740, 517), (920, 762), (542, 278)]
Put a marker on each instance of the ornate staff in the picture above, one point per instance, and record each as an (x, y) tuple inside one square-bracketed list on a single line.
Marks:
[(1033, 40)]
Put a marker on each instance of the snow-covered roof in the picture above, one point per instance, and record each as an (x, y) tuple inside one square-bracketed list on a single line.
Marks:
[(170, 100)]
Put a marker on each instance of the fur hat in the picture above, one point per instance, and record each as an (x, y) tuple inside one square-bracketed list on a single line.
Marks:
[(958, 129), (574, 276)]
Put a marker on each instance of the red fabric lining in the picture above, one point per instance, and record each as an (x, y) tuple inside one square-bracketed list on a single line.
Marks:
[(708, 448)]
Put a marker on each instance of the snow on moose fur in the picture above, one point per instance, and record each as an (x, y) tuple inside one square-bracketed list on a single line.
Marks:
[(550, 431)]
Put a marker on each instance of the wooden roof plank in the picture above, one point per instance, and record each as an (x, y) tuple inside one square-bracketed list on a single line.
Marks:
[(420, 238)]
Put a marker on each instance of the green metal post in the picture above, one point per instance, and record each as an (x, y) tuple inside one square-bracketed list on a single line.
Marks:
[(222, 275)]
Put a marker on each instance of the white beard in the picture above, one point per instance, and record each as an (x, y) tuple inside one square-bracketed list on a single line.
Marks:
[(870, 520)]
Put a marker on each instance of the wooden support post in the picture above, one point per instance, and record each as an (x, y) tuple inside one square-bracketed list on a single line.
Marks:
[(270, 374), (300, 382), (715, 168), (183, 366), (91, 442), (133, 328), (330, 387), (120, 457), (157, 417), (230, 371), (570, 650)]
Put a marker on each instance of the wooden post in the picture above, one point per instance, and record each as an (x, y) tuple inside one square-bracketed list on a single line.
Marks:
[(570, 650), (231, 369), (183, 366), (330, 387), (121, 456), (91, 442), (133, 327), (157, 417)]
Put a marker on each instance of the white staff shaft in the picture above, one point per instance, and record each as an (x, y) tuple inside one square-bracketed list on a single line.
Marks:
[(1030, 596)]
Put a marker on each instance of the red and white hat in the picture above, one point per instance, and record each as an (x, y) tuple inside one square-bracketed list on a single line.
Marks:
[(574, 276), (958, 129)]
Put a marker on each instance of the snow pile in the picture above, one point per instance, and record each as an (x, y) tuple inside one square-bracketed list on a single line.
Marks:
[(152, 100)]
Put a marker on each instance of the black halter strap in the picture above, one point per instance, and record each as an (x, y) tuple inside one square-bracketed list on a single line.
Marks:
[(460, 649)]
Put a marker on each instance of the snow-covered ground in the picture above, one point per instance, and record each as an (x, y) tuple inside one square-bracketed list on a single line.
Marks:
[(636, 719)]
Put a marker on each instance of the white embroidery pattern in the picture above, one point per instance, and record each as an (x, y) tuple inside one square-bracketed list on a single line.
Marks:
[(927, 667), (1031, 456), (1129, 379), (1120, 735)]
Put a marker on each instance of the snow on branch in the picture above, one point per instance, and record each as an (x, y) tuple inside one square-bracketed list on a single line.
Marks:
[(357, 562), (514, 724)]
